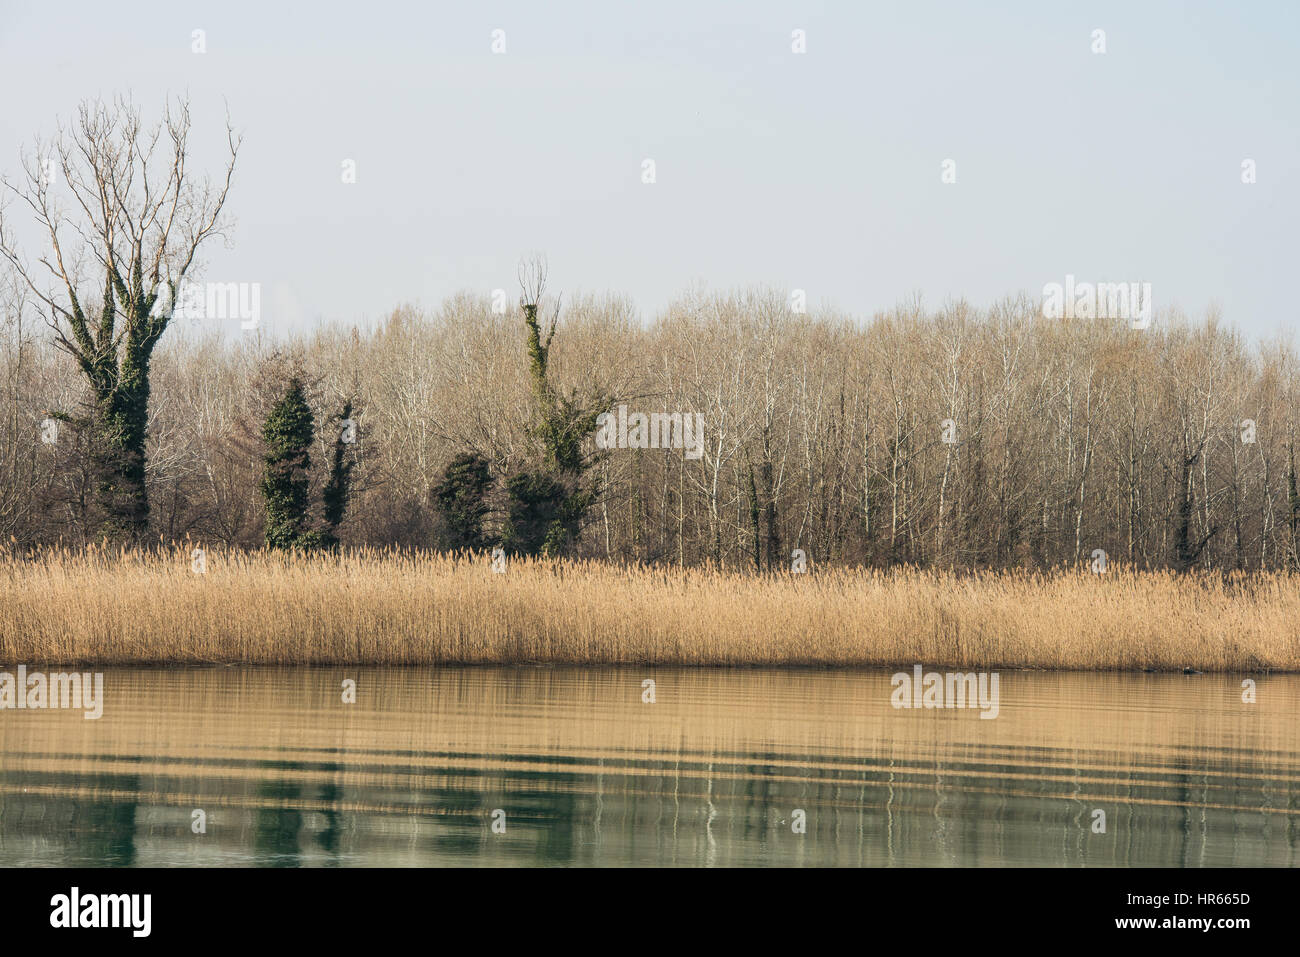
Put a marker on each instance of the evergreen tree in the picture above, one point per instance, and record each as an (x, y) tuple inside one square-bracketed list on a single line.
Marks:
[(461, 500), (287, 435), (539, 519)]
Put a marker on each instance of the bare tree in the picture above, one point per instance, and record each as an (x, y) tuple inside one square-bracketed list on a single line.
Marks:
[(107, 282)]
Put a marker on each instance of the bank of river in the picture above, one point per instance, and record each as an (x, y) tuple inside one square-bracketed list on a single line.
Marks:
[(406, 608)]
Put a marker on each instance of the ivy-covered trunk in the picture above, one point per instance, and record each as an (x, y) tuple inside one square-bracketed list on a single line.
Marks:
[(546, 506), (117, 442)]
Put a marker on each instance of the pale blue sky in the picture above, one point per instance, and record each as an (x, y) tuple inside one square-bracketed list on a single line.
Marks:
[(819, 171)]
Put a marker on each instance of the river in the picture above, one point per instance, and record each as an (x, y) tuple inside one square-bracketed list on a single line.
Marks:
[(705, 767)]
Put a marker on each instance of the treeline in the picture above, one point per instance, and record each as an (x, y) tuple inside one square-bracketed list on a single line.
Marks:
[(950, 438)]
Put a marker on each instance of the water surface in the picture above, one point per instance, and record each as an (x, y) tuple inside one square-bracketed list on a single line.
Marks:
[(580, 770)]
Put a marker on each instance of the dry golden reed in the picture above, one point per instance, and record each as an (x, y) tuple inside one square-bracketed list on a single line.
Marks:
[(404, 607)]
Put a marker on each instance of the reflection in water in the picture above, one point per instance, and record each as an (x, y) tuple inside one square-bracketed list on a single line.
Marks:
[(713, 773)]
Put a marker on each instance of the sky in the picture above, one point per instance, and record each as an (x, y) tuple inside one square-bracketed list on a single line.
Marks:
[(821, 170)]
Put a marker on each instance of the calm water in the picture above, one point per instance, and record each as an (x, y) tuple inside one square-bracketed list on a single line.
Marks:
[(712, 773)]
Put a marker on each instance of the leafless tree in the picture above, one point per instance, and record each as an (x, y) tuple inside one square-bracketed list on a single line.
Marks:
[(123, 221)]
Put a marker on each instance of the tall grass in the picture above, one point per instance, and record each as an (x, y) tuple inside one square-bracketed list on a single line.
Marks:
[(405, 607)]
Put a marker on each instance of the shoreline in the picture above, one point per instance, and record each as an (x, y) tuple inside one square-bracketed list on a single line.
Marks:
[(882, 668), (373, 608)]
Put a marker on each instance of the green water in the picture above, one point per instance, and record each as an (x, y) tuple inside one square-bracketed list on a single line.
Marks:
[(532, 766)]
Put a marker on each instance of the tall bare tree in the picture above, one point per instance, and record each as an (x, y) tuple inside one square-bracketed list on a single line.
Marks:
[(123, 220)]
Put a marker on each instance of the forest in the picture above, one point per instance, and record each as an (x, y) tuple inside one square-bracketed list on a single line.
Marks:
[(950, 438)]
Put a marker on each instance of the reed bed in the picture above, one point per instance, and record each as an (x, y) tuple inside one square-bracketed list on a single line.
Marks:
[(397, 607)]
